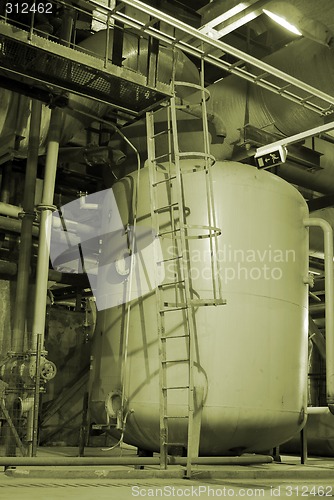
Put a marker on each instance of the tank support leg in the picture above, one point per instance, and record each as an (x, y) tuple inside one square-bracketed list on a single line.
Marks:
[(276, 456), (193, 451), (303, 446)]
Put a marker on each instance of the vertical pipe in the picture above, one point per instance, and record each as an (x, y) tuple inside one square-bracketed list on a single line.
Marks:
[(46, 208), (5, 183), (42, 270), (329, 304), (35, 411), (28, 216), (67, 25)]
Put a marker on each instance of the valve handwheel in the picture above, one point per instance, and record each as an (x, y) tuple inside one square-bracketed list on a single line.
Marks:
[(48, 370)]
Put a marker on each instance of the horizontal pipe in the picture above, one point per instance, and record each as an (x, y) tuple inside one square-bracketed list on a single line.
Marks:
[(318, 410), (243, 460), (11, 210), (131, 460), (14, 225), (317, 308), (9, 269)]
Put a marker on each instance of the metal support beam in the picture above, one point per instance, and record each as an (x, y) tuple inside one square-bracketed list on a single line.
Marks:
[(296, 138)]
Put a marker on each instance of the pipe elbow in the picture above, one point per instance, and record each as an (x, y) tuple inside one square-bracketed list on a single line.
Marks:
[(331, 408), (220, 126)]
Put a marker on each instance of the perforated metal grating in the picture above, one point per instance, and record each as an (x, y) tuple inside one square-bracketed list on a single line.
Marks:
[(48, 67)]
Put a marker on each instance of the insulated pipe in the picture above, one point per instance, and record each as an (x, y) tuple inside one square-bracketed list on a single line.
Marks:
[(46, 208), (5, 183), (10, 210), (132, 460), (9, 269), (28, 216), (329, 305), (67, 25), (13, 225)]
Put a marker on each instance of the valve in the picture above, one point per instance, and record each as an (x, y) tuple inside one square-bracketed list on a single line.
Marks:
[(48, 370)]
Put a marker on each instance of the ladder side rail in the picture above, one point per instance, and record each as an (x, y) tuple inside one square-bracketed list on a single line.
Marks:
[(187, 285), (160, 320)]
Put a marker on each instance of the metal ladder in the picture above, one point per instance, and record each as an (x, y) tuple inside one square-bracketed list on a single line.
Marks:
[(177, 297)]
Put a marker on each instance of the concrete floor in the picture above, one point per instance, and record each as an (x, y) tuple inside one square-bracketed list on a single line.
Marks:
[(286, 479)]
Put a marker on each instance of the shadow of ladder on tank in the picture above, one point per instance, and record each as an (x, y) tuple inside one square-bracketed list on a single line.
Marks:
[(166, 173)]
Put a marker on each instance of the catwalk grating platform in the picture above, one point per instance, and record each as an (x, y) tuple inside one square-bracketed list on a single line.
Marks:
[(42, 62)]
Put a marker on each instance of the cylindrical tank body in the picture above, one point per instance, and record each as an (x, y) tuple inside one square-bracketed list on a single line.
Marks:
[(251, 354)]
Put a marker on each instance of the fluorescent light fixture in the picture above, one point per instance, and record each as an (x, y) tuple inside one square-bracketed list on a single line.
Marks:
[(282, 22), (223, 17)]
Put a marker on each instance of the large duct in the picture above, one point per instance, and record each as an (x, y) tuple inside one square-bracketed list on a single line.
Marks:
[(240, 102)]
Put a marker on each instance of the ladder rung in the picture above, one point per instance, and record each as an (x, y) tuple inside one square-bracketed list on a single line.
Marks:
[(171, 283), (283, 89), (152, 22), (175, 361), (175, 444), (169, 309), (168, 260), (208, 302), (172, 177), (165, 155), (176, 387), (175, 416), (260, 77), (162, 132), (161, 209), (169, 232), (175, 336)]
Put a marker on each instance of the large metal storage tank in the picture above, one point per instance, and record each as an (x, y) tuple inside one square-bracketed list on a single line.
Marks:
[(251, 355)]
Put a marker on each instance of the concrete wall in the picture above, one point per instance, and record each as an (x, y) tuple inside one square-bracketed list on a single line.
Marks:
[(68, 345)]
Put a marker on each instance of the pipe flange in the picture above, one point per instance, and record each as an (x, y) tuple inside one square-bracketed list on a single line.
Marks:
[(30, 215), (45, 206)]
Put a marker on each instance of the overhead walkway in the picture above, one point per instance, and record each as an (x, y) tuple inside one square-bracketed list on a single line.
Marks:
[(37, 66)]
